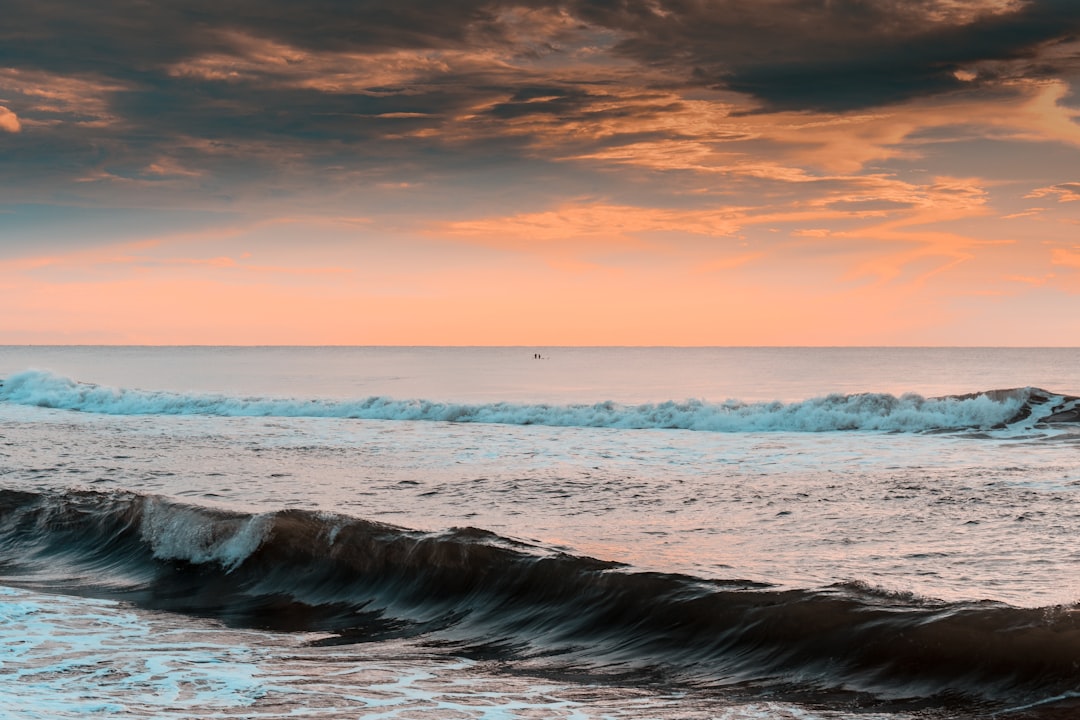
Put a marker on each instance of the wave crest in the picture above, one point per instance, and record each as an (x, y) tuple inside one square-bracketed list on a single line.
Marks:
[(481, 594), (1022, 407)]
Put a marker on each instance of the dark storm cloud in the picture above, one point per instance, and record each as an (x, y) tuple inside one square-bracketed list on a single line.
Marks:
[(142, 78), (835, 54), (791, 53), (137, 34), (118, 60)]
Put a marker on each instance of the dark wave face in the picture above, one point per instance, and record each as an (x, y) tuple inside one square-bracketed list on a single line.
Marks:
[(488, 596), (1017, 408)]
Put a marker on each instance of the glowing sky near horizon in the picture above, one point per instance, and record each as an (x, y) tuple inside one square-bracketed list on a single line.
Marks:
[(640, 172)]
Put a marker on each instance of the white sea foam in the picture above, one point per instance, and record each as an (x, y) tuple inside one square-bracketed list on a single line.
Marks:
[(179, 533), (68, 658), (867, 411), (77, 657)]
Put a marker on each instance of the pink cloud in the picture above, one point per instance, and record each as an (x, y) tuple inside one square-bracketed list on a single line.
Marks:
[(59, 99), (9, 121), (1066, 257), (1065, 192)]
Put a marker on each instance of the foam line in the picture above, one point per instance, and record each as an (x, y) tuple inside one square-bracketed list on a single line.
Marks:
[(866, 411)]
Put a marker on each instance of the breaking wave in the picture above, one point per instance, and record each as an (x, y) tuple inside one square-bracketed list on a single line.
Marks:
[(487, 596), (1022, 407)]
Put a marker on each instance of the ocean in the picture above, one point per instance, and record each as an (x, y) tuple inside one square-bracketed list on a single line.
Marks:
[(376, 532)]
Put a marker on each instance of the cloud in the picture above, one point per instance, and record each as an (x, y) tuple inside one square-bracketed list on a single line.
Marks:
[(599, 223), (214, 104), (794, 54), (841, 54), (1065, 192), (1069, 257), (9, 121), (891, 226), (53, 99)]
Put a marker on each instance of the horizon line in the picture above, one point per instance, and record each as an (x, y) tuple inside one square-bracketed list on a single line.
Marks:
[(542, 345)]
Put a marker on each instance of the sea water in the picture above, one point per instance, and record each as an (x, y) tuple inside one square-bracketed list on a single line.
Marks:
[(538, 532)]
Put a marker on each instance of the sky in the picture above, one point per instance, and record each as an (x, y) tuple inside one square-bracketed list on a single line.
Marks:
[(540, 172)]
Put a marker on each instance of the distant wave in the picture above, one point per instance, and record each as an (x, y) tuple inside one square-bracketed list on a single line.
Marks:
[(487, 596), (867, 411)]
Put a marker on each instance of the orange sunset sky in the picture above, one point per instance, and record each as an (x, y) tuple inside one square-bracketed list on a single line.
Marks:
[(635, 172)]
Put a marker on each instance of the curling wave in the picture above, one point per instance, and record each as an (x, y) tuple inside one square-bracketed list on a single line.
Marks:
[(1020, 407), (493, 597)]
